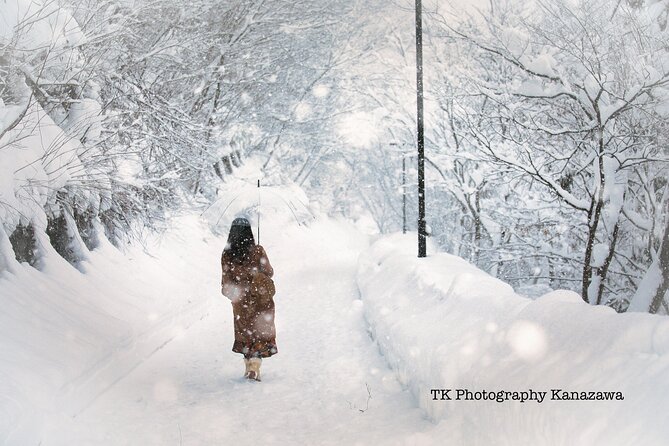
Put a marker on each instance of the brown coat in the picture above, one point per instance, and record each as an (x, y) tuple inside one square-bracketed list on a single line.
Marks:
[(250, 288)]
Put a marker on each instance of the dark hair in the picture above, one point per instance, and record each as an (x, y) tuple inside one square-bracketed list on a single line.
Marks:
[(240, 241)]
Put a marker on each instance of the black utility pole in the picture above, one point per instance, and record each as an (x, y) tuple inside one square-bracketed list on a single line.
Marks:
[(422, 251)]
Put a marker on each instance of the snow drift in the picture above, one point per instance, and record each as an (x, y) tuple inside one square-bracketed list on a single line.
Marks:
[(67, 334), (442, 323)]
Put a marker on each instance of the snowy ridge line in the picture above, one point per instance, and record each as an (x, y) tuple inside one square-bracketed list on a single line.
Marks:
[(443, 324), (80, 393)]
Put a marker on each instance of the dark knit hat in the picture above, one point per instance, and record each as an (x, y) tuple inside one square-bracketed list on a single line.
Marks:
[(240, 222)]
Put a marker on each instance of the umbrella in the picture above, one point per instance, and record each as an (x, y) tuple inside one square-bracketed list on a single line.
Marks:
[(275, 199)]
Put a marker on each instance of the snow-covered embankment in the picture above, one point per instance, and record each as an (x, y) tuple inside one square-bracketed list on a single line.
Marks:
[(442, 323), (69, 333)]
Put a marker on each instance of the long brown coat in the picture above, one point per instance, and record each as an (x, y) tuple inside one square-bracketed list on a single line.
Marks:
[(250, 288)]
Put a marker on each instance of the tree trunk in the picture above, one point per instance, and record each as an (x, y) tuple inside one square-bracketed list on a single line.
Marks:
[(236, 161), (227, 164), (663, 259), (217, 169), (604, 269), (477, 227), (593, 222), (594, 216)]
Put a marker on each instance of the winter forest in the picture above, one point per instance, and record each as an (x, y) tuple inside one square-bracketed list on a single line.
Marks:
[(138, 129)]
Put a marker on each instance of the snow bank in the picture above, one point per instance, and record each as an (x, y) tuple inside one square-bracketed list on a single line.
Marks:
[(67, 334), (442, 323)]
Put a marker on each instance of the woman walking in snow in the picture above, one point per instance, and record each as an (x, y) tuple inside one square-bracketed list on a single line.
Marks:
[(247, 282)]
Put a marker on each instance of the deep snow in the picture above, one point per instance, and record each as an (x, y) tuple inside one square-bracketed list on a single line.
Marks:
[(442, 323), (66, 333), (133, 347), (327, 385)]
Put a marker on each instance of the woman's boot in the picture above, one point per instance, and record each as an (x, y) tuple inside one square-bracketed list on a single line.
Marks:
[(254, 368), (246, 366)]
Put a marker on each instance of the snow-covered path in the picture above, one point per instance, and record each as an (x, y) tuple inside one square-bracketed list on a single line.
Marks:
[(315, 391)]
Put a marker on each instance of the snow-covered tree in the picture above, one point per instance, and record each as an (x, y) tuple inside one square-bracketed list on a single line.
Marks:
[(575, 106)]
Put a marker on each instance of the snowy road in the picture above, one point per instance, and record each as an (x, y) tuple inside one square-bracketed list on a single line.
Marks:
[(315, 391)]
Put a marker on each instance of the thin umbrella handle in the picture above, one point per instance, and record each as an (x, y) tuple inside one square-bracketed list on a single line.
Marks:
[(258, 211)]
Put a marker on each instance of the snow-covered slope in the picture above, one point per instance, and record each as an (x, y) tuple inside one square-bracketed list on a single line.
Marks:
[(67, 334), (444, 324)]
